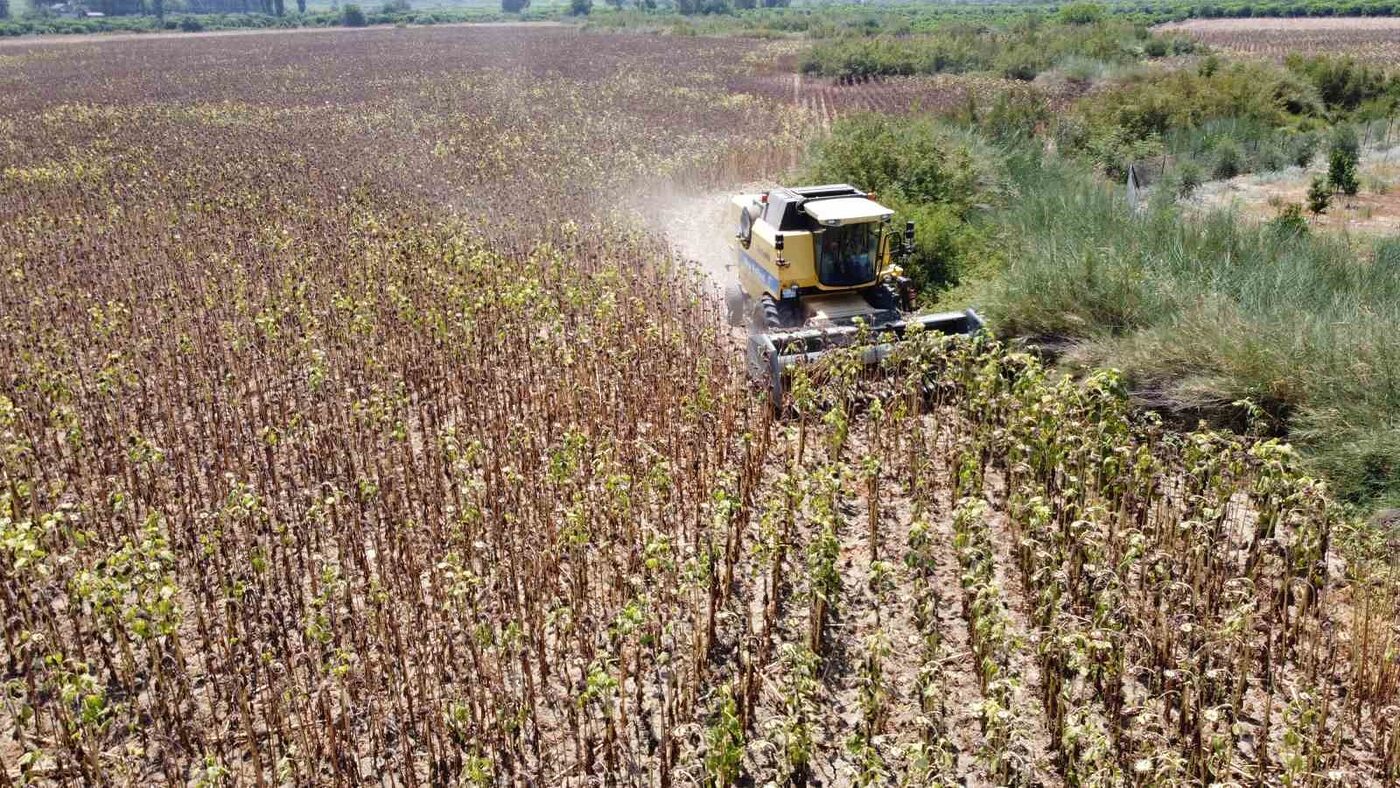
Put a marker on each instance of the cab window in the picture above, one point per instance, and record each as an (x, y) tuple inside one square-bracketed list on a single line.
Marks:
[(848, 255)]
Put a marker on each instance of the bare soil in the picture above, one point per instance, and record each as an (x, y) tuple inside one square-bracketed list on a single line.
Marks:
[(1373, 211)]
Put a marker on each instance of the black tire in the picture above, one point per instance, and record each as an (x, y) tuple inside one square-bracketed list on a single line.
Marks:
[(884, 297), (766, 316), (790, 313)]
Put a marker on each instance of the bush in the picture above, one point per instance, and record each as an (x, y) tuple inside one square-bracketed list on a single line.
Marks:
[(1290, 221), (1082, 13), (1229, 159), (190, 24), (514, 6), (1342, 83), (1019, 50), (916, 159), (1319, 196), (1342, 161), (353, 16), (929, 173), (1188, 178), (580, 7), (1017, 114), (1302, 147)]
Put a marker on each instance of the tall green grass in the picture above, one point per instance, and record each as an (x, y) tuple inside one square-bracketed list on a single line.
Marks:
[(1204, 313)]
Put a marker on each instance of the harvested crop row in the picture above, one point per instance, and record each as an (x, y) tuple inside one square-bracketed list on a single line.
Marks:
[(350, 439)]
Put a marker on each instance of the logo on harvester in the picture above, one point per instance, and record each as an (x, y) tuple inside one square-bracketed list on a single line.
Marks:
[(764, 275)]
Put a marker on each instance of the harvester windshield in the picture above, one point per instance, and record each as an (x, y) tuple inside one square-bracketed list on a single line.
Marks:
[(848, 255)]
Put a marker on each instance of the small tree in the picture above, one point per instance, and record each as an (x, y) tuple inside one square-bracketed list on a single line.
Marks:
[(301, 6), (580, 7), (514, 6), (1319, 196), (353, 16), (4, 9), (1342, 161), (1188, 178)]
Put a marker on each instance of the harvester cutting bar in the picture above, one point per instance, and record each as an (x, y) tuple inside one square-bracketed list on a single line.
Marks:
[(771, 356)]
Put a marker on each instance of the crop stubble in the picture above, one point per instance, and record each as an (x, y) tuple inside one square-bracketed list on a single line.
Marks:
[(349, 433)]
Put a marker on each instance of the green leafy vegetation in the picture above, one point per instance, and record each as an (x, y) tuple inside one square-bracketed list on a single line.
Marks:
[(187, 22), (353, 16), (1228, 118), (1201, 312), (930, 172), (1019, 50)]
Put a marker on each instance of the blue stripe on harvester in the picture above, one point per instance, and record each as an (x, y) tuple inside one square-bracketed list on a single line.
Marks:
[(769, 280)]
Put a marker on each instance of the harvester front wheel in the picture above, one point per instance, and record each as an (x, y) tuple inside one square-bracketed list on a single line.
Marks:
[(766, 316), (884, 297)]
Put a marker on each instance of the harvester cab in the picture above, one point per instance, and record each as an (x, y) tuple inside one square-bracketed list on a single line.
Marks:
[(814, 265)]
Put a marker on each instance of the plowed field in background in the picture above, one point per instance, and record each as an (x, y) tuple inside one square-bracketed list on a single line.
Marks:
[(1372, 39)]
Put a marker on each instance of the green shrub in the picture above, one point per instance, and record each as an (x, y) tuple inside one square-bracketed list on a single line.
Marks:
[(580, 7), (929, 173), (1302, 147), (917, 159), (1319, 196), (191, 24), (1016, 115), (1342, 159), (1019, 49), (353, 16), (1344, 84), (1290, 221), (1188, 178), (1082, 13), (1202, 313), (1229, 159)]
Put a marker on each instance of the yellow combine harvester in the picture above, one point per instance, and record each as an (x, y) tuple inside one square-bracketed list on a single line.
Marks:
[(814, 264)]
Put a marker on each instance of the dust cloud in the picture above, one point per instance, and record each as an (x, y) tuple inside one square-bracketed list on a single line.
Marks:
[(698, 228)]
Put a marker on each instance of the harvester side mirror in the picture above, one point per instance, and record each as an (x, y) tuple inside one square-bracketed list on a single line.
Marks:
[(778, 242), (909, 233)]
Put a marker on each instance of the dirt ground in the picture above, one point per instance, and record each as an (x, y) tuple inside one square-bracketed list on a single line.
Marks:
[(1373, 211)]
